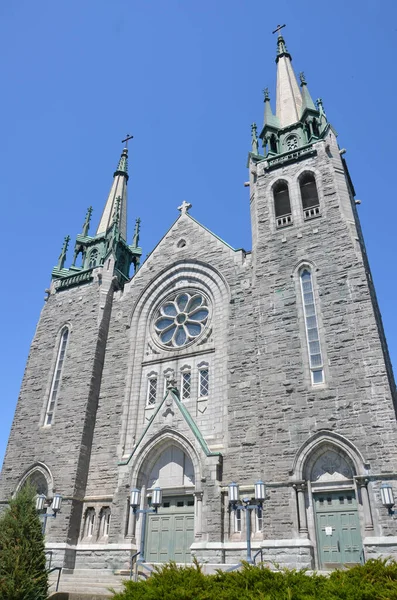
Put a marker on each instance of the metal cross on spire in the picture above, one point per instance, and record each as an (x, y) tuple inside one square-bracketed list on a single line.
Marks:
[(128, 137), (277, 30)]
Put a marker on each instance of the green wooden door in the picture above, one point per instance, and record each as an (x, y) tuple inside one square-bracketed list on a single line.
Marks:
[(338, 528), (170, 531)]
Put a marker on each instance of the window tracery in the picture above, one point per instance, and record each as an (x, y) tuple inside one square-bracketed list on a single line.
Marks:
[(181, 319), (56, 380)]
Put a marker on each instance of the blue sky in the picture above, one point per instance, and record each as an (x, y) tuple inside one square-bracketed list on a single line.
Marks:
[(186, 79)]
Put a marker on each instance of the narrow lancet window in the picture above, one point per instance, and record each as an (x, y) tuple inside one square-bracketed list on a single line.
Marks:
[(152, 391), (56, 380), (204, 382), (282, 204), (311, 325), (309, 195), (186, 384)]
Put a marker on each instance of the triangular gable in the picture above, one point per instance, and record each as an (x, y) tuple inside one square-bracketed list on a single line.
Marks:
[(172, 394), (170, 230)]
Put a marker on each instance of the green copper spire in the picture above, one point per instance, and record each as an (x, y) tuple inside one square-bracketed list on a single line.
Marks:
[(270, 119), (62, 256), (87, 221), (116, 214), (122, 167), (282, 49), (307, 101), (254, 139), (135, 238)]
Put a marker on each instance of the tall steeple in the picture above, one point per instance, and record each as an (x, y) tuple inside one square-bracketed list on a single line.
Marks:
[(118, 190), (288, 98), (109, 242)]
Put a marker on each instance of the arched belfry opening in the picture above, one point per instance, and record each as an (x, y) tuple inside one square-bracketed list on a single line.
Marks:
[(171, 530)]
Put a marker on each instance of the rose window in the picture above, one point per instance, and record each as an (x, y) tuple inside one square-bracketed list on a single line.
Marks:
[(181, 319)]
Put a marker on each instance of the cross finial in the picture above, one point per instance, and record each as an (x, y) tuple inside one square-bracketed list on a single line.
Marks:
[(277, 30), (302, 78), (266, 94), (184, 207), (126, 140)]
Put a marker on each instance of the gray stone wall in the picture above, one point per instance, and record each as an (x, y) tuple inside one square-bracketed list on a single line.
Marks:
[(262, 410), (64, 447)]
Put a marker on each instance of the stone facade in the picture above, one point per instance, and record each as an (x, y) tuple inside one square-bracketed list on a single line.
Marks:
[(262, 416)]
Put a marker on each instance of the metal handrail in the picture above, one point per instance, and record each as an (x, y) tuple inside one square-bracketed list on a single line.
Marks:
[(50, 561), (59, 569), (132, 562), (260, 551)]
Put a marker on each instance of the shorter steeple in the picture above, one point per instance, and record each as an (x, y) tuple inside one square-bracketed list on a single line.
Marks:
[(108, 244), (307, 102), (62, 256), (118, 190), (87, 222), (269, 119)]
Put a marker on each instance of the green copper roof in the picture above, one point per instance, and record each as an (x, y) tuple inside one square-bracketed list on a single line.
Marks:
[(270, 119), (174, 395), (122, 167), (282, 48), (307, 102)]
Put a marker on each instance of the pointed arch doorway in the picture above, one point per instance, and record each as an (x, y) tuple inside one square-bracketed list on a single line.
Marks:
[(170, 532), (335, 507)]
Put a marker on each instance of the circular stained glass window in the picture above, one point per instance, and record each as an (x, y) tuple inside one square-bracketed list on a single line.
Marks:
[(181, 319)]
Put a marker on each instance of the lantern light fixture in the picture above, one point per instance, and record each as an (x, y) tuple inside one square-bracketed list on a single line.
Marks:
[(233, 493), (135, 498), (247, 505), (156, 497), (56, 503), (42, 505), (260, 491), (386, 492), (40, 501)]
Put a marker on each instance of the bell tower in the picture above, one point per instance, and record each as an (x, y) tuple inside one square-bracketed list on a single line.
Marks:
[(322, 363)]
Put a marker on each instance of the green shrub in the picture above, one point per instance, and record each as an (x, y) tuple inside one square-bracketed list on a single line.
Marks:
[(23, 574), (376, 580)]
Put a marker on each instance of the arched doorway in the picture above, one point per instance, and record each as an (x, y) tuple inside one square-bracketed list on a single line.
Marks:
[(331, 472), (170, 531)]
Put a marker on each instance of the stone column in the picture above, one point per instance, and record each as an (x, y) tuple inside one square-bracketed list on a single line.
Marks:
[(362, 482), (300, 495), (198, 521), (131, 523)]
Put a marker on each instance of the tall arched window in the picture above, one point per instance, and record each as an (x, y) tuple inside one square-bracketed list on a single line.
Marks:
[(311, 326), (56, 379), (282, 204), (309, 195)]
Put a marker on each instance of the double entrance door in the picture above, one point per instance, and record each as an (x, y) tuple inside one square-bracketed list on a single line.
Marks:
[(170, 531), (338, 528)]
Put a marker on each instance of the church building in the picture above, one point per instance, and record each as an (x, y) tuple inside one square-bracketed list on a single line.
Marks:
[(211, 402)]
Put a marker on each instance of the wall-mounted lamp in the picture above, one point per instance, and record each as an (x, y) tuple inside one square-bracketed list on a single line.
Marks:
[(386, 492)]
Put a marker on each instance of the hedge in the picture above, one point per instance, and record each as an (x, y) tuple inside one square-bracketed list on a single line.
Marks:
[(376, 580)]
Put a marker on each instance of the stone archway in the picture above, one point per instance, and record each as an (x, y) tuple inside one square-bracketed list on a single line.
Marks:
[(169, 532), (332, 497)]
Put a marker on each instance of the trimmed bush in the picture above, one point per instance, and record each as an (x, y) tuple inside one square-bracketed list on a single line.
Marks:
[(376, 580), (23, 574)]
